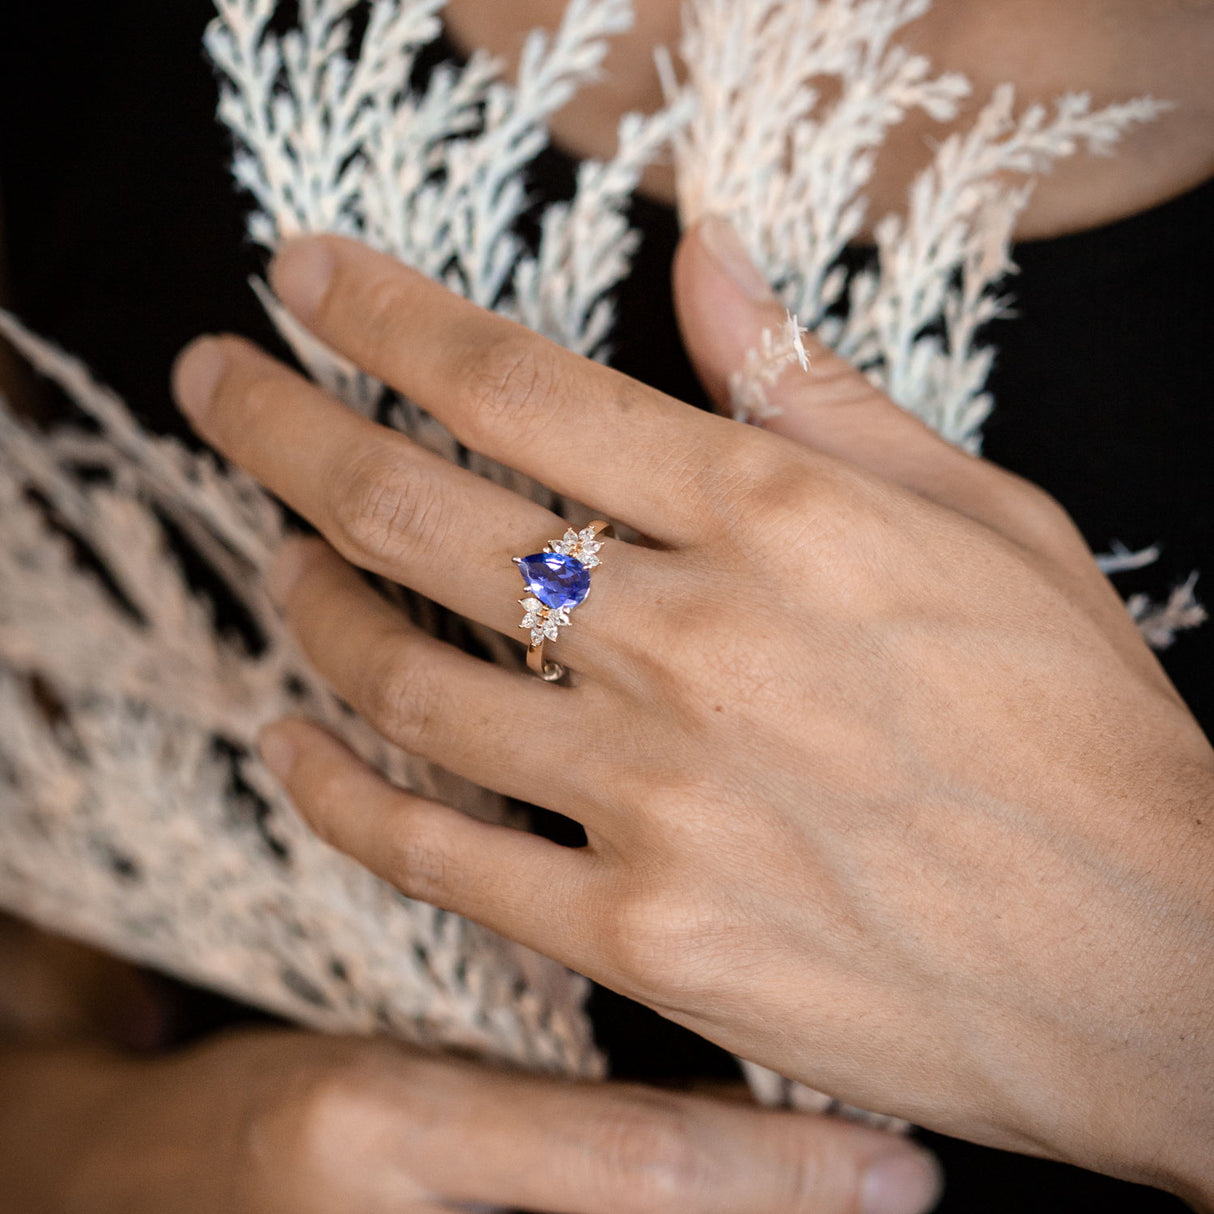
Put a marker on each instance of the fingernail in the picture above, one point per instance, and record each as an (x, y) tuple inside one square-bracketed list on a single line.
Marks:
[(725, 245), (196, 375), (905, 1183), (300, 274), (277, 752), (285, 569)]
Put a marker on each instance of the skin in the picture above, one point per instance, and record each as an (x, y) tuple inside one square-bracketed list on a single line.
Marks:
[(882, 787), (285, 1122), (1113, 49)]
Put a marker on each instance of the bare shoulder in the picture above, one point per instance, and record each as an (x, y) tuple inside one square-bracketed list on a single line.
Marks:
[(1111, 49)]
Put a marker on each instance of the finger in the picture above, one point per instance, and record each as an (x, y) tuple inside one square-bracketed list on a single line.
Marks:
[(385, 503), (581, 428), (516, 884), (547, 1145), (724, 306), (423, 694)]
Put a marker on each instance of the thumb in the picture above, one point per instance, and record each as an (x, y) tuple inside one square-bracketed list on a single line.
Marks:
[(543, 1144), (724, 305)]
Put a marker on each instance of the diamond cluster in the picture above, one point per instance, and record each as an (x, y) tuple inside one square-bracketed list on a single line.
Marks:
[(558, 580)]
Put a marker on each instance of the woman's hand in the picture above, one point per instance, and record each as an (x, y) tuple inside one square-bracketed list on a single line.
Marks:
[(276, 1122), (881, 786)]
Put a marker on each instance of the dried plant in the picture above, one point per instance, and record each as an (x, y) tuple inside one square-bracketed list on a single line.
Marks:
[(132, 812), (788, 164)]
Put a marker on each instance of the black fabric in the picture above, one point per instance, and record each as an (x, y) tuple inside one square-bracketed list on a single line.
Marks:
[(125, 238)]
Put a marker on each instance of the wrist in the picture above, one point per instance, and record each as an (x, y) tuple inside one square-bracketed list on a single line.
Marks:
[(1151, 1108), (1145, 1054), (1184, 1164)]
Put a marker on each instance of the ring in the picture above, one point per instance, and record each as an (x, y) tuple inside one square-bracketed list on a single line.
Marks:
[(557, 580)]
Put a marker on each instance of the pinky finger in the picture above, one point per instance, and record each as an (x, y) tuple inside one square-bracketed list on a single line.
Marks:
[(514, 883)]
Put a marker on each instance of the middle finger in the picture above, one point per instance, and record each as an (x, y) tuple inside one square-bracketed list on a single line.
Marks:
[(585, 430), (382, 501)]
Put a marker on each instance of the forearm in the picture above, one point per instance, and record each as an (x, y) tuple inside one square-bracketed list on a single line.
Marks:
[(87, 1130), (84, 1123), (54, 1102)]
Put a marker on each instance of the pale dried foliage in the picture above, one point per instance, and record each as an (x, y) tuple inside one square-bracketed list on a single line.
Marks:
[(435, 178), (1160, 622), (133, 812), (788, 161), (761, 370)]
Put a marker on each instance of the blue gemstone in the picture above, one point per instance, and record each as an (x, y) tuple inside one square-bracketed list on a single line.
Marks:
[(556, 580)]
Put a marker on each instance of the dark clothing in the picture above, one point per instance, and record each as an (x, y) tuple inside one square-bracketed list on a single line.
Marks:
[(125, 239)]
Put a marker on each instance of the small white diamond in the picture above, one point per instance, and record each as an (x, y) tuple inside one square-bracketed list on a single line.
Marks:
[(590, 561), (536, 619)]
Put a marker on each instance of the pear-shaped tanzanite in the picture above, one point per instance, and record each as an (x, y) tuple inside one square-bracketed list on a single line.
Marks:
[(556, 580)]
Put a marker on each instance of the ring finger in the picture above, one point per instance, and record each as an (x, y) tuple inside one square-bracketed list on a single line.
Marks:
[(425, 695)]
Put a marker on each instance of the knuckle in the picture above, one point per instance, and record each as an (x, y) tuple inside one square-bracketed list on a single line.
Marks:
[(323, 801), (829, 517), (298, 1122), (721, 487), (652, 1158), (249, 406), (384, 302), (792, 502), (509, 384), (632, 946), (659, 945), (836, 385), (418, 862), (330, 1097), (1040, 519), (770, 496), (382, 505), (816, 1171), (402, 698)]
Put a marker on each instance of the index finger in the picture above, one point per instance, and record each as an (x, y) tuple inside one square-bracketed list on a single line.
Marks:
[(588, 432)]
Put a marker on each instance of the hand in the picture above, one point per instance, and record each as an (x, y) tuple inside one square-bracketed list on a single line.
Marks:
[(276, 1122), (881, 786)]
